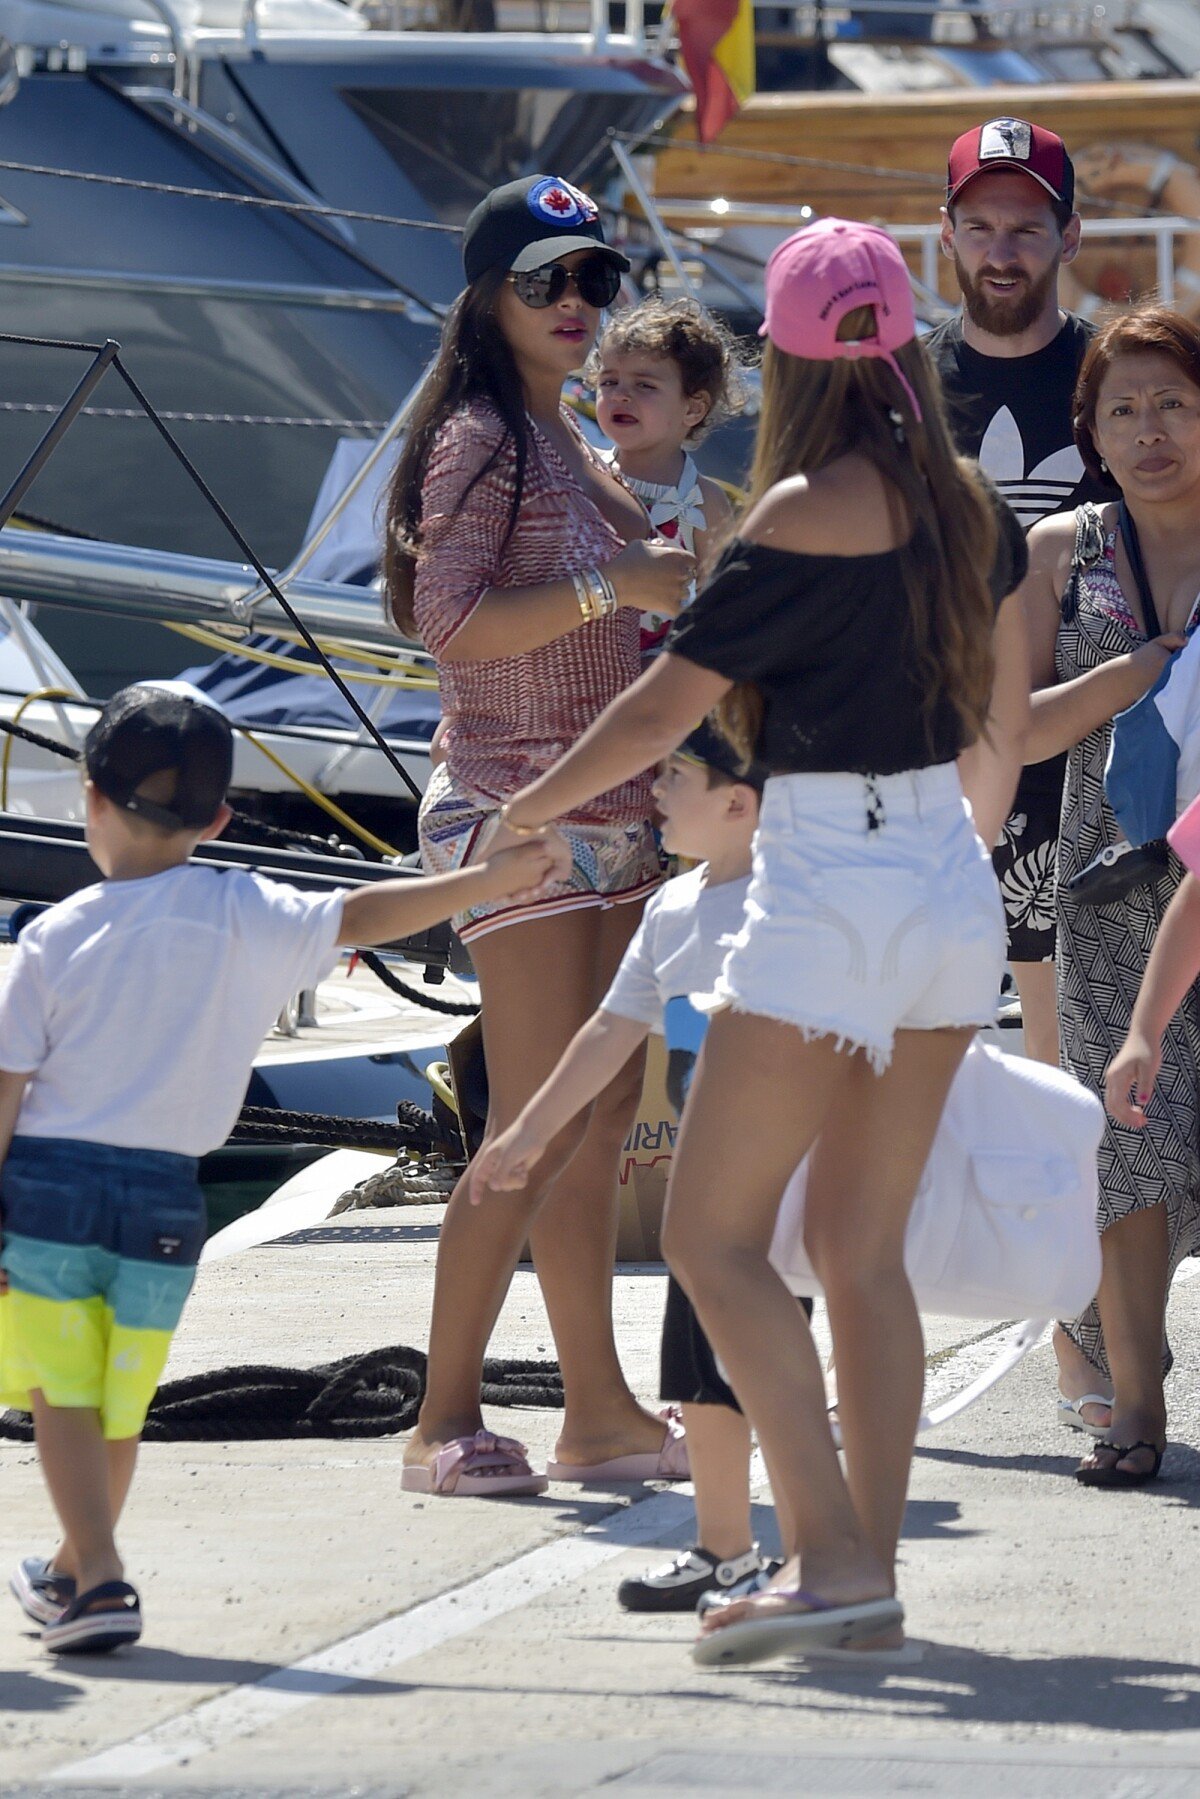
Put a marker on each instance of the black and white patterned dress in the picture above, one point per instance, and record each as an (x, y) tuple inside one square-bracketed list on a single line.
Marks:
[(1102, 955)]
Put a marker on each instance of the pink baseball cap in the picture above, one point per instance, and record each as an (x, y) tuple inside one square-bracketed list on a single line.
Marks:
[(827, 269)]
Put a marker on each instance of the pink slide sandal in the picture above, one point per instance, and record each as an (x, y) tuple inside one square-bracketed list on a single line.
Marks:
[(477, 1467), (668, 1463)]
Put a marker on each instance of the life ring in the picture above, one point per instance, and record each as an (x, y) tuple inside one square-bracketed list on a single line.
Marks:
[(1115, 273)]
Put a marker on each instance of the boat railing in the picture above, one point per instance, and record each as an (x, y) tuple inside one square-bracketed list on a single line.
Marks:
[(1164, 229), (807, 21)]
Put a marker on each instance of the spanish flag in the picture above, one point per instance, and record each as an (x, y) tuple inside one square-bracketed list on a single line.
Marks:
[(716, 39)]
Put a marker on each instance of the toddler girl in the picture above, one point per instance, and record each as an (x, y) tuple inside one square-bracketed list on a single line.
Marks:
[(665, 373)]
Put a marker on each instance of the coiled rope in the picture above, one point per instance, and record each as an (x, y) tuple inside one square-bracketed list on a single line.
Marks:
[(452, 1008), (326, 1130), (375, 1394)]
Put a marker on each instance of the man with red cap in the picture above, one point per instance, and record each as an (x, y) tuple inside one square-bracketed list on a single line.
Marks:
[(1008, 366)]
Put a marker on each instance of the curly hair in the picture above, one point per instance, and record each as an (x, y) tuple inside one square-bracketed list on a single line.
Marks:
[(680, 331)]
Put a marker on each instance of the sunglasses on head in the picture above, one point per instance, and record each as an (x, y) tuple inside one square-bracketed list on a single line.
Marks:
[(597, 281)]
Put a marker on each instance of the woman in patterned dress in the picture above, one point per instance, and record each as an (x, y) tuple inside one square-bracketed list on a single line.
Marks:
[(523, 563), (1095, 652)]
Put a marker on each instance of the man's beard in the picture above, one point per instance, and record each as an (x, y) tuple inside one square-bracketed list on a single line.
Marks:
[(1005, 318)]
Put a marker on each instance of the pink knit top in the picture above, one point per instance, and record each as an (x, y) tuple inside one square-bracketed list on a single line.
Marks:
[(511, 717)]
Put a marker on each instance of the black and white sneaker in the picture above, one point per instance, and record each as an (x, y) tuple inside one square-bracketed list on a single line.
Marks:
[(41, 1593), (742, 1589), (675, 1586)]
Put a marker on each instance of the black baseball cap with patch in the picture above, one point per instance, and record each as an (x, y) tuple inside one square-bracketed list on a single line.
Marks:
[(153, 726), (526, 224), (710, 748)]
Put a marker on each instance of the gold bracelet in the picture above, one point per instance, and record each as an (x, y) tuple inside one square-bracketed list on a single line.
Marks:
[(518, 830), (583, 593), (604, 594)]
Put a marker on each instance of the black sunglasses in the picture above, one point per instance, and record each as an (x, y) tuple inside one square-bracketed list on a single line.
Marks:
[(597, 281)]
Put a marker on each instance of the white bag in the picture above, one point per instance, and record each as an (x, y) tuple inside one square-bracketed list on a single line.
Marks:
[(1004, 1222)]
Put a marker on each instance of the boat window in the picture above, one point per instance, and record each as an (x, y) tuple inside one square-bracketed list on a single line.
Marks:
[(455, 145)]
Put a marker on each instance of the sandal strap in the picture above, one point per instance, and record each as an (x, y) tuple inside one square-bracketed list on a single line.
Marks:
[(469, 1455), (82, 1604)]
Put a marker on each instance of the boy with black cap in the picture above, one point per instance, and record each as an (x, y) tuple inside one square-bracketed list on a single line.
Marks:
[(129, 1018), (709, 810)]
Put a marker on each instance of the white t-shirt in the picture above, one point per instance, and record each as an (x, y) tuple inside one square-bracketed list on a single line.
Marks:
[(679, 948), (137, 1007)]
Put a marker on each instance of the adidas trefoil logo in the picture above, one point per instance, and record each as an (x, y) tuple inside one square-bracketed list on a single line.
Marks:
[(1032, 496)]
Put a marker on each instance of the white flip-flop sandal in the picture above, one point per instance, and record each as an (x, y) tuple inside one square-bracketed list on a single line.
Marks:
[(778, 1633), (1070, 1413)]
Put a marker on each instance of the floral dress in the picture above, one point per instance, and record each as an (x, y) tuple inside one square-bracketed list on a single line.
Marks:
[(1102, 956)]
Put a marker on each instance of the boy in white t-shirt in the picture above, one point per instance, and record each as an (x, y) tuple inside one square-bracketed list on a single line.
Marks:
[(129, 1019), (709, 812)]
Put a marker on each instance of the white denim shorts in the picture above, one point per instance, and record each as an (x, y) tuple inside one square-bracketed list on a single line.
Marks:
[(873, 908)]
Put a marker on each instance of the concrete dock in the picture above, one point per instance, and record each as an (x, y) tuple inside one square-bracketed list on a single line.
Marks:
[(313, 1630)]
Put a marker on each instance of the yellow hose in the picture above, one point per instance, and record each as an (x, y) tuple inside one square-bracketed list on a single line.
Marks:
[(410, 676), (438, 1076), (41, 693), (320, 799)]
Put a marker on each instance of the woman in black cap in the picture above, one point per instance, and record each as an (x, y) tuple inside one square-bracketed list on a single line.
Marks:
[(523, 564)]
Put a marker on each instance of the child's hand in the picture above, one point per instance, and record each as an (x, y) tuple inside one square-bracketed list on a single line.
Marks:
[(525, 868), (1130, 1080), (653, 576), (505, 1164)]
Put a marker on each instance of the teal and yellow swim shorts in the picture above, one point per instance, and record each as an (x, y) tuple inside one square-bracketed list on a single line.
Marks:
[(100, 1246)]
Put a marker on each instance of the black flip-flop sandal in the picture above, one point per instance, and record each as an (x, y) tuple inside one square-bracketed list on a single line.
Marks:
[(82, 1630), (1113, 1476)]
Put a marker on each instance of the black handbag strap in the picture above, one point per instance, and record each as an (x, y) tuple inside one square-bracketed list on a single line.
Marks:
[(1133, 551)]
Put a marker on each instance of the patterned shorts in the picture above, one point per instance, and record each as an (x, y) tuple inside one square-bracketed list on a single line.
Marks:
[(612, 865), (1024, 861), (100, 1247)]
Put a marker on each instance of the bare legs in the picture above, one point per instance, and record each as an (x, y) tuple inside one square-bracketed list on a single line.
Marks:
[(719, 1455), (875, 1134), (540, 981), (88, 1480), (1132, 1303), (1039, 1009)]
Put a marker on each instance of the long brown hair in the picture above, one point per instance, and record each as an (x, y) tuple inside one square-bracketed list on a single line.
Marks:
[(475, 362), (815, 412), (1142, 332)]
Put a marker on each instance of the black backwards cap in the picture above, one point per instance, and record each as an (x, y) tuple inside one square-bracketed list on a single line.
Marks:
[(526, 224), (710, 748), (154, 726)]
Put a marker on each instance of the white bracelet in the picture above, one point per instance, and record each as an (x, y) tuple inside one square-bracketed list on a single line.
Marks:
[(1160, 174)]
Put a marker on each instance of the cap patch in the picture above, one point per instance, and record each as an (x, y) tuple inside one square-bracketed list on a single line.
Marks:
[(1008, 139), (558, 203)]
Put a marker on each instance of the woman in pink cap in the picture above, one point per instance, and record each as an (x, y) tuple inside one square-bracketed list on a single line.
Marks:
[(858, 638)]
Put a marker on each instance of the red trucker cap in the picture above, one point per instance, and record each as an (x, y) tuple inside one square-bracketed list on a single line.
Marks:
[(1011, 144)]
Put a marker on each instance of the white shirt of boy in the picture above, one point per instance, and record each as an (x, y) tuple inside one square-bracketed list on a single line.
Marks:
[(137, 1007), (677, 952)]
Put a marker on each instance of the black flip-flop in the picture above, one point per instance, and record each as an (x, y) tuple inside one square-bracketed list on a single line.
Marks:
[(1112, 1476), (83, 1630)]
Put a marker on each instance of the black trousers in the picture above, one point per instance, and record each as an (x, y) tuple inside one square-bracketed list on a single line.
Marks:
[(688, 1370)]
